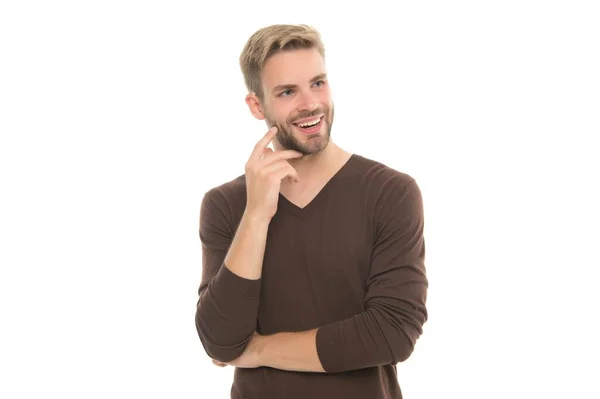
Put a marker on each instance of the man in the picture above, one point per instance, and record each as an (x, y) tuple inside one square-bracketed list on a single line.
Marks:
[(313, 281)]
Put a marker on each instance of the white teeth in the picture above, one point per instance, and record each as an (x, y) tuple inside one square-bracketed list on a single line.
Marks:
[(307, 124)]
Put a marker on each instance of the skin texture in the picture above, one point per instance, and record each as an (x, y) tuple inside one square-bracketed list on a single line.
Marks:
[(291, 351), (305, 93)]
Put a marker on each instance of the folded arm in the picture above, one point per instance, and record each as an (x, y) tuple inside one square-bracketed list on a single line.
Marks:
[(387, 331), (229, 292)]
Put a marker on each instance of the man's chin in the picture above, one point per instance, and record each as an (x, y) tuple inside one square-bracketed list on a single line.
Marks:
[(315, 145), (306, 143)]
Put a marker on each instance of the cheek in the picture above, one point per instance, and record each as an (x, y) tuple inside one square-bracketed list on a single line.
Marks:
[(276, 116), (287, 115)]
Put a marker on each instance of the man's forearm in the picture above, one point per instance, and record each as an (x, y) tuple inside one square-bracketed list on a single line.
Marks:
[(291, 351), (246, 253), (228, 307)]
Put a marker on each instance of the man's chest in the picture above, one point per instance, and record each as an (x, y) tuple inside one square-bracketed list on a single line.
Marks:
[(314, 271)]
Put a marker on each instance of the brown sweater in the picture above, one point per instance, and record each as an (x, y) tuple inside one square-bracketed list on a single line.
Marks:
[(350, 263)]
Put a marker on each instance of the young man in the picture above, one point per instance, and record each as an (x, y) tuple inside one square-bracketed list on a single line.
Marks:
[(313, 281)]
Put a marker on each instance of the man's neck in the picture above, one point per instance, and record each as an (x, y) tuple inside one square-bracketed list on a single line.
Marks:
[(314, 172), (315, 165)]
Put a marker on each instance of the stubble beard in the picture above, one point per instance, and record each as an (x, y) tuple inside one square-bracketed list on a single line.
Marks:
[(315, 143)]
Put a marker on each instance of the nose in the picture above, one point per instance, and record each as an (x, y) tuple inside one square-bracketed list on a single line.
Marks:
[(308, 103)]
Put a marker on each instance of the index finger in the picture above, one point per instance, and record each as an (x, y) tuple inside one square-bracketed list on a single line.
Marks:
[(259, 148)]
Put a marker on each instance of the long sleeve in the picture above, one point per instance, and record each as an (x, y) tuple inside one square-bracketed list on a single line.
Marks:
[(395, 301), (227, 307)]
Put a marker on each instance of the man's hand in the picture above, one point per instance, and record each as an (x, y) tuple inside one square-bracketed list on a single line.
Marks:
[(251, 358), (291, 351), (264, 171)]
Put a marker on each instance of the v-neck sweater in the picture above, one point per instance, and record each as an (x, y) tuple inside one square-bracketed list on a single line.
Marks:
[(350, 263)]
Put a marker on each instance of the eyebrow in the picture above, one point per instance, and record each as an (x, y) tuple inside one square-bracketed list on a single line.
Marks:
[(287, 87)]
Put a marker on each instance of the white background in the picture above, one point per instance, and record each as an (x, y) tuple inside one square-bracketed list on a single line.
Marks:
[(117, 116)]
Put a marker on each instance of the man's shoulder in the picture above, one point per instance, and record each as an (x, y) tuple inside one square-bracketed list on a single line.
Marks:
[(376, 174), (387, 190), (228, 190), (228, 197)]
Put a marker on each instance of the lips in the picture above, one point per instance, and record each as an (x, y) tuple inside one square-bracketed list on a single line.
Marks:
[(310, 129), (308, 120)]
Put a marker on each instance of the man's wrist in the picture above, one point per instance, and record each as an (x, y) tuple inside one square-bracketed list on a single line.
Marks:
[(262, 350), (255, 218)]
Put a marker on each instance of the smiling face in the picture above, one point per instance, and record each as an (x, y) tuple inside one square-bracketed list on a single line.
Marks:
[(297, 100)]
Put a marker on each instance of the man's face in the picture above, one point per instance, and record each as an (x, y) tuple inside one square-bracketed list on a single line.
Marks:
[(297, 94)]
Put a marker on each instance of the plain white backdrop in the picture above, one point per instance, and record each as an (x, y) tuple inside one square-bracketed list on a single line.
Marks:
[(117, 116)]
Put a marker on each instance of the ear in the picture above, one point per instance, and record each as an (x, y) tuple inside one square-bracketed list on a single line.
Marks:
[(255, 107)]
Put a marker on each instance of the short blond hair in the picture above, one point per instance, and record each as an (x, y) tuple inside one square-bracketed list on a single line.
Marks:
[(271, 40)]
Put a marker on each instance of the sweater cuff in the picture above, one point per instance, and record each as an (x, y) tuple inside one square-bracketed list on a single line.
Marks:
[(328, 341)]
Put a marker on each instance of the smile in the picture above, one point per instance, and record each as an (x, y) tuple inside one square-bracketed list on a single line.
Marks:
[(310, 126)]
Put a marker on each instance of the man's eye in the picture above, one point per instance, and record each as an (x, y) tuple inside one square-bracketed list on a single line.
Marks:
[(321, 82), (283, 93)]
